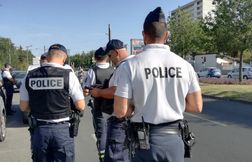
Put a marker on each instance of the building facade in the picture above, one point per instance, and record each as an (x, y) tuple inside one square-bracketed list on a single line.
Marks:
[(197, 9)]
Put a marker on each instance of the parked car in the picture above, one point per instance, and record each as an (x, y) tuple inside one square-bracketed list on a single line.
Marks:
[(209, 72), (19, 76), (2, 112), (246, 73)]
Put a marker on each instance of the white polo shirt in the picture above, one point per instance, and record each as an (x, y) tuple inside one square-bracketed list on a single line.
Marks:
[(7, 74), (157, 80)]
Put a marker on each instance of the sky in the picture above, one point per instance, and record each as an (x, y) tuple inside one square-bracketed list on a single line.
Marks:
[(79, 25)]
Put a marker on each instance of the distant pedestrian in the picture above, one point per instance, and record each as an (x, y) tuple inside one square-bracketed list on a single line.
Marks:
[(8, 83)]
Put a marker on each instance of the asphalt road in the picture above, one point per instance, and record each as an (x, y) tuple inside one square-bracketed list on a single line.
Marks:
[(223, 134), (223, 130)]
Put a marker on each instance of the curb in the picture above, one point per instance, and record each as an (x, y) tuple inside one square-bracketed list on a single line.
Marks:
[(227, 99)]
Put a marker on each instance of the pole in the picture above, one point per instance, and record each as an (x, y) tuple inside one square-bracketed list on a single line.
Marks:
[(109, 32), (27, 53)]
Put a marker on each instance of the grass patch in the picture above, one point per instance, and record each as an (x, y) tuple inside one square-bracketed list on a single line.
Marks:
[(239, 92)]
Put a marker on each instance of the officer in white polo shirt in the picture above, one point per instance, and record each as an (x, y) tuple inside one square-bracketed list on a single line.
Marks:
[(162, 86), (115, 146), (46, 92)]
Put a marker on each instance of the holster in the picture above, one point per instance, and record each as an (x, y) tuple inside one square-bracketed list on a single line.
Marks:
[(74, 123), (187, 137), (32, 122)]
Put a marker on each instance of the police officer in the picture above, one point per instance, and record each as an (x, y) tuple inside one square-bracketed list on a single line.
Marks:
[(162, 86), (43, 59), (8, 82), (115, 147), (46, 92), (97, 75)]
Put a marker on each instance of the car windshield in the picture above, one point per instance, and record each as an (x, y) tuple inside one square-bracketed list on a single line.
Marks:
[(19, 74), (216, 70)]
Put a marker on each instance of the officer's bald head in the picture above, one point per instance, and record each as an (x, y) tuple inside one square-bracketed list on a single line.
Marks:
[(155, 24)]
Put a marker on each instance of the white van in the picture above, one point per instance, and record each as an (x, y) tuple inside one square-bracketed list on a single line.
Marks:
[(246, 73)]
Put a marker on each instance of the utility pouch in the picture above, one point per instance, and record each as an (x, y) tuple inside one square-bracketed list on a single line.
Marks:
[(187, 137)]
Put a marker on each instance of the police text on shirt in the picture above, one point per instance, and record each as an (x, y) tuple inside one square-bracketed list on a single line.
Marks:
[(163, 72)]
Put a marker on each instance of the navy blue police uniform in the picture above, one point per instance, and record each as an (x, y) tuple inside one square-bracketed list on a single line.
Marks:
[(116, 150), (98, 76), (48, 90)]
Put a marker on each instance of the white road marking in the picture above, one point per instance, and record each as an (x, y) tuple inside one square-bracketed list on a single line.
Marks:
[(211, 121), (94, 137)]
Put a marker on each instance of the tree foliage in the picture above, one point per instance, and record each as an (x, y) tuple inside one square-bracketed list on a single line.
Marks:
[(231, 27), (83, 60), (17, 57), (186, 35)]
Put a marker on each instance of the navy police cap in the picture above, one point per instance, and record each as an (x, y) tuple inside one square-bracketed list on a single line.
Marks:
[(113, 45), (156, 15), (100, 52), (43, 56), (57, 47)]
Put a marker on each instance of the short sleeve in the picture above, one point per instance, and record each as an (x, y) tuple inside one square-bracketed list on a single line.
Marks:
[(124, 83), (75, 89), (24, 96), (194, 81), (90, 79), (7, 74)]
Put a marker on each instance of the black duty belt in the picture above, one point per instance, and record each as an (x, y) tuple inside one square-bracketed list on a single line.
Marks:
[(164, 128), (114, 118)]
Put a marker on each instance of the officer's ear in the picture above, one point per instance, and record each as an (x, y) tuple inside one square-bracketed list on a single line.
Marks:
[(166, 36), (144, 37), (65, 60)]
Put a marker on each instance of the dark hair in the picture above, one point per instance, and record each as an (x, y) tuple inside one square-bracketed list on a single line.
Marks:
[(6, 65), (155, 29), (100, 58)]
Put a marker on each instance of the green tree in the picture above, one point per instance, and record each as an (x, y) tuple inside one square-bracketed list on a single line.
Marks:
[(17, 57), (83, 59), (231, 27), (186, 35)]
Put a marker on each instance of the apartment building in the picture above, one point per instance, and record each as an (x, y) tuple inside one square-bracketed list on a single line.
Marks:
[(197, 8)]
